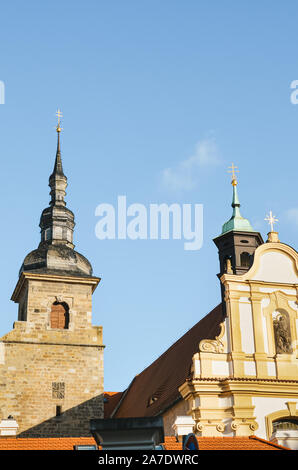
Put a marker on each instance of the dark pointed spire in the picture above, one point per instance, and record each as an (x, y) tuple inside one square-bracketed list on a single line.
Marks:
[(57, 222), (58, 180), (58, 168), (55, 253)]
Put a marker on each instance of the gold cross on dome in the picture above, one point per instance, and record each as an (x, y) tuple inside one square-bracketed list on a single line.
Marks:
[(233, 170), (271, 219), (59, 116)]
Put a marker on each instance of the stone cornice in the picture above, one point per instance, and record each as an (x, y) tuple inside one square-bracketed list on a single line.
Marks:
[(247, 386), (44, 343), (240, 379), (26, 276)]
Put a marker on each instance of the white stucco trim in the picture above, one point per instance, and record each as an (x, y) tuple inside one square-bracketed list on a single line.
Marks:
[(220, 368), (264, 406), (250, 368), (246, 326)]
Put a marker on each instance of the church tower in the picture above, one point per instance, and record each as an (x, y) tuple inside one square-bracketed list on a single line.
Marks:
[(238, 241), (51, 363), (244, 375)]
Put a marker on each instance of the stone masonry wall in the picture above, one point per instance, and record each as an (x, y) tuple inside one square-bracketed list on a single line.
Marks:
[(43, 368)]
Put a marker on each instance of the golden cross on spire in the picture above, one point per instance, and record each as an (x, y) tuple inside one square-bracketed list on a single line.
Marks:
[(59, 116), (233, 170), (271, 219)]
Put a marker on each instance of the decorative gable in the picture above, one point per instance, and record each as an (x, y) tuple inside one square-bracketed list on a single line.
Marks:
[(251, 366)]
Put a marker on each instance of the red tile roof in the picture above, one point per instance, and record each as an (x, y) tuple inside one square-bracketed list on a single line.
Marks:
[(205, 443), (226, 443), (156, 388), (44, 443)]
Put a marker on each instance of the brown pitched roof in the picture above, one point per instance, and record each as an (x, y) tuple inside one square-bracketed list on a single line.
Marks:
[(111, 400), (156, 388), (226, 443)]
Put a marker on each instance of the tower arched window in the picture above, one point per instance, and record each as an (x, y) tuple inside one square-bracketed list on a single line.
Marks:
[(59, 317), (245, 259), (48, 234)]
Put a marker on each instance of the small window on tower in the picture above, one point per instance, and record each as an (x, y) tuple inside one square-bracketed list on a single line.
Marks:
[(245, 259), (48, 234), (59, 317)]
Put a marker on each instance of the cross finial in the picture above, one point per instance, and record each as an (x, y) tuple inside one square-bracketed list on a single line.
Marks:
[(271, 219), (59, 116), (233, 170)]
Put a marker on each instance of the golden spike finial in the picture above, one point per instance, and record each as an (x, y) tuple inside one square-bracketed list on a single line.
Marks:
[(271, 219), (233, 170), (59, 116)]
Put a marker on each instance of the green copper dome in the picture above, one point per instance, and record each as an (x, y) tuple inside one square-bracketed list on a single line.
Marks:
[(236, 222)]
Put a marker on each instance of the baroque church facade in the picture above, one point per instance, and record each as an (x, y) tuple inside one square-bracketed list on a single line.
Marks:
[(234, 374)]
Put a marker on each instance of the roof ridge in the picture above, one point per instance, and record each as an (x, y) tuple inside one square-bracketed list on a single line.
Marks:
[(256, 438), (124, 393), (223, 437), (179, 339), (172, 368)]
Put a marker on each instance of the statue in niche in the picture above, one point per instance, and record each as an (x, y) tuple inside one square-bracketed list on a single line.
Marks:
[(282, 334), (228, 266)]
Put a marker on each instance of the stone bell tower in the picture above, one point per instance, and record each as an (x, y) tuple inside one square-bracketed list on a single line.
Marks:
[(51, 363)]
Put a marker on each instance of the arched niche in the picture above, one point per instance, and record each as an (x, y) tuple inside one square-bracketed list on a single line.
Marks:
[(282, 332)]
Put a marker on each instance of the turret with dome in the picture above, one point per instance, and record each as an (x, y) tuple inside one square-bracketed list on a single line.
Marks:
[(55, 253), (238, 240)]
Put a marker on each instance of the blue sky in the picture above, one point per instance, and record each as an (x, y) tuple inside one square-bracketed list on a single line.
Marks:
[(147, 89)]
